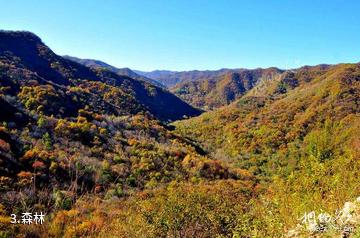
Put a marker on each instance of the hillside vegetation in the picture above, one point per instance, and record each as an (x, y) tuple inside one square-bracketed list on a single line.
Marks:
[(74, 138), (220, 90), (101, 155), (206, 90), (299, 136)]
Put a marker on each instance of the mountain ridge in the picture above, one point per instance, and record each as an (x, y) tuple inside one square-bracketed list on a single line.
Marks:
[(222, 89), (121, 71), (37, 62)]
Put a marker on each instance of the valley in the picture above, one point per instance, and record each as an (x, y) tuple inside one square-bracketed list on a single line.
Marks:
[(116, 152)]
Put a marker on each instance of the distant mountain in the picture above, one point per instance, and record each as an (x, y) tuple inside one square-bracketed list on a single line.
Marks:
[(26, 63), (171, 78), (223, 88), (211, 89), (120, 71)]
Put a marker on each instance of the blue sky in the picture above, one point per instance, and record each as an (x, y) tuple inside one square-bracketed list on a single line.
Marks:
[(191, 34)]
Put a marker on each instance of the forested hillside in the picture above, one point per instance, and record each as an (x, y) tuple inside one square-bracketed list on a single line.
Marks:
[(102, 155), (212, 89), (299, 135), (222, 89), (73, 136), (26, 61)]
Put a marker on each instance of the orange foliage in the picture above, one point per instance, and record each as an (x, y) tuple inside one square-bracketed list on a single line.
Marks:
[(4, 146), (38, 165)]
